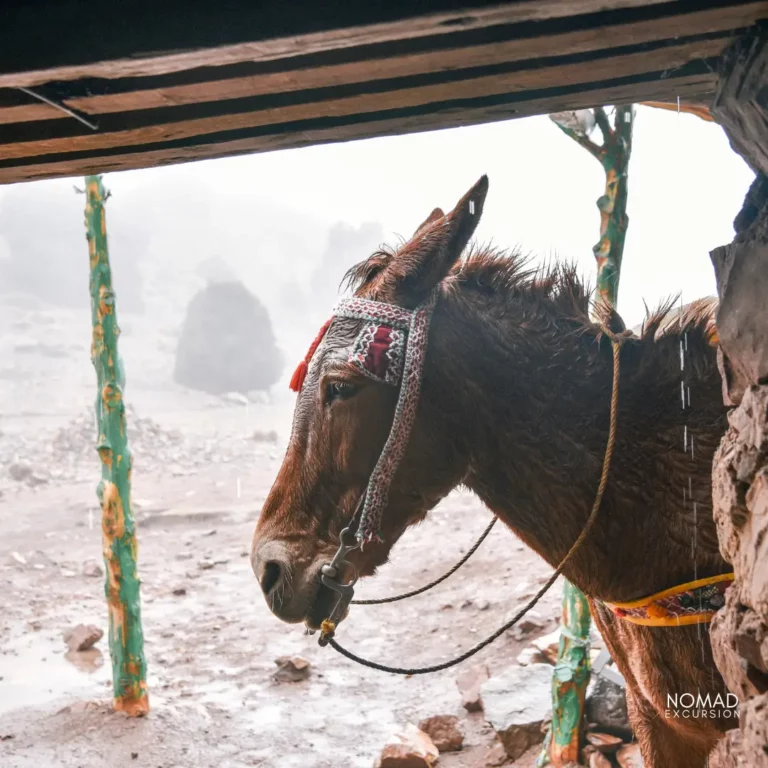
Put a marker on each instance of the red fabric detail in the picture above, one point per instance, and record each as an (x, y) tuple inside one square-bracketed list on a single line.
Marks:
[(376, 361), (297, 380)]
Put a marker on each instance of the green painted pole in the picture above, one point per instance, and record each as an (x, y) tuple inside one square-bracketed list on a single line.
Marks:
[(126, 641), (572, 670)]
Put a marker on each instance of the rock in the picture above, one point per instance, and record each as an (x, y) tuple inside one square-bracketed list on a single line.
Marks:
[(598, 760), (444, 732), (468, 683), (227, 343), (20, 471), (93, 569), (604, 742), (291, 669), (495, 756), (729, 752), (629, 756), (533, 621), (606, 705), (410, 749), (517, 704), (548, 645), (531, 656), (82, 637)]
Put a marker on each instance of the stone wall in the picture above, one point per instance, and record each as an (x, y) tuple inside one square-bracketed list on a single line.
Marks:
[(740, 469)]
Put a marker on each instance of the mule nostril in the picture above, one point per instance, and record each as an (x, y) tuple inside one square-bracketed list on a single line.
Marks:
[(272, 574)]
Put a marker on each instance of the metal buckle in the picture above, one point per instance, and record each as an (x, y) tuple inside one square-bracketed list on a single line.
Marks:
[(346, 592)]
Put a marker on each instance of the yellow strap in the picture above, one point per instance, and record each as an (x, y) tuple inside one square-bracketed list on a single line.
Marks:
[(671, 621), (662, 619)]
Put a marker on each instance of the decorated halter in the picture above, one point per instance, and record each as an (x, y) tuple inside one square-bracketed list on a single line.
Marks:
[(390, 348)]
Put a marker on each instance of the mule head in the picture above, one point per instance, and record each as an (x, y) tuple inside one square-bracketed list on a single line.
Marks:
[(341, 422)]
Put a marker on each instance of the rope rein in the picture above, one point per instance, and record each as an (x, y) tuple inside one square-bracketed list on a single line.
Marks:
[(426, 587), (616, 340)]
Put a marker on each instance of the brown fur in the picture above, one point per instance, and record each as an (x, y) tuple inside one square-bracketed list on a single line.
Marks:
[(515, 406)]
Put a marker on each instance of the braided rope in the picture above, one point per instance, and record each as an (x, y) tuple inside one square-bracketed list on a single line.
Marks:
[(616, 341)]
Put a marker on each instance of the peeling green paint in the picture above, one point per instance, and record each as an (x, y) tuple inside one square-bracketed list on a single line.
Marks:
[(126, 641), (572, 670), (613, 154)]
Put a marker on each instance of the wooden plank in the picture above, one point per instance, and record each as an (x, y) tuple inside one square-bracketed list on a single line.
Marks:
[(306, 78), (668, 59), (144, 63), (700, 111), (693, 89), (740, 105)]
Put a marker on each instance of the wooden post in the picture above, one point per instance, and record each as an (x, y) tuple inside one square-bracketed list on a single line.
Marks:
[(126, 642), (572, 670)]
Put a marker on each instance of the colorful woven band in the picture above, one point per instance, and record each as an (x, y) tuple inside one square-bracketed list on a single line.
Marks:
[(693, 603), (390, 348)]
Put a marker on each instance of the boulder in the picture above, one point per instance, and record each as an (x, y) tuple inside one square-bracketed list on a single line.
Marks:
[(606, 705), (82, 637), (412, 748), (629, 756), (468, 683), (444, 732), (494, 757), (227, 343), (291, 669), (518, 704), (598, 760), (604, 742), (548, 645), (531, 656), (92, 569)]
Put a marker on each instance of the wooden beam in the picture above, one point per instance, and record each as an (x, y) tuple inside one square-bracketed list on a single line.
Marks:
[(690, 109), (692, 88), (191, 35), (710, 21), (740, 104), (667, 60)]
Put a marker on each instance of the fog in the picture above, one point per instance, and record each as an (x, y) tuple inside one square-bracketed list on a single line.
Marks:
[(289, 223)]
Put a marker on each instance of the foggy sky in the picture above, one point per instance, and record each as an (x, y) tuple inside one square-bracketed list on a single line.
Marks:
[(268, 216)]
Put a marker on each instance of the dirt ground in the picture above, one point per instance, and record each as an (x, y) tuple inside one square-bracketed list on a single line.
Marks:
[(203, 467)]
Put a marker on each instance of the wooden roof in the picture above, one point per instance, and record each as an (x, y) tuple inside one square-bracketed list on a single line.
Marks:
[(99, 87)]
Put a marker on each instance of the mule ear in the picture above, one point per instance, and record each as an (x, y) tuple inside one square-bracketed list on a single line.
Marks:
[(434, 216), (427, 258)]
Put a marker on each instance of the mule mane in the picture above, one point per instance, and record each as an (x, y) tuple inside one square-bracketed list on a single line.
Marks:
[(555, 287)]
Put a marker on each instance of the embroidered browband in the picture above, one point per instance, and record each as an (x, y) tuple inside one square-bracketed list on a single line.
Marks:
[(390, 348), (693, 603)]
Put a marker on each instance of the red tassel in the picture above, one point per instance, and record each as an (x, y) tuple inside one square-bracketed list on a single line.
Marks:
[(297, 380)]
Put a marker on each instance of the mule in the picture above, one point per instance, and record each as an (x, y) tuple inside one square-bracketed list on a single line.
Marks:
[(514, 405)]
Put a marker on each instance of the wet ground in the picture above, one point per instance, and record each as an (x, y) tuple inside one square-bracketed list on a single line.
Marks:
[(203, 472)]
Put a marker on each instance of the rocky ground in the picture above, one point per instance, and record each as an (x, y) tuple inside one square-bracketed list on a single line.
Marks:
[(203, 466)]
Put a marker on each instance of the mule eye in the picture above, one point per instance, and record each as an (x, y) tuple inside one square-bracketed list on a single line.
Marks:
[(339, 390)]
